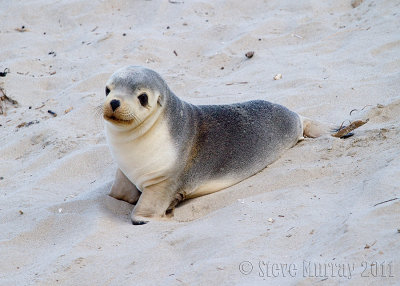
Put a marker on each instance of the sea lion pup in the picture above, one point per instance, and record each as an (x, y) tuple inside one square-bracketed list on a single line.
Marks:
[(168, 150)]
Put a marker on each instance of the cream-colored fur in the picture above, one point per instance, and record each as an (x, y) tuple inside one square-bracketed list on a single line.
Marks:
[(314, 129)]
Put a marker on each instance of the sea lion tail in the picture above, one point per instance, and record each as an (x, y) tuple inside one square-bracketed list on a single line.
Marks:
[(314, 129)]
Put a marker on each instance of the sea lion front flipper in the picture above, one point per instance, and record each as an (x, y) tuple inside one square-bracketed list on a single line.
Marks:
[(153, 203), (123, 189)]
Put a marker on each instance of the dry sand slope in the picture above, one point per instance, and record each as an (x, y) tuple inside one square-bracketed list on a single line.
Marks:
[(315, 206)]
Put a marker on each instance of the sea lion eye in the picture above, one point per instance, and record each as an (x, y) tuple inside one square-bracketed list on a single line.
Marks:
[(107, 90), (143, 99)]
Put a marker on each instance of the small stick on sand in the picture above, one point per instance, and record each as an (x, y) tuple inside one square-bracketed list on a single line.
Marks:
[(341, 125), (346, 130), (240, 82), (361, 108), (366, 106), (353, 110), (386, 201), (52, 113)]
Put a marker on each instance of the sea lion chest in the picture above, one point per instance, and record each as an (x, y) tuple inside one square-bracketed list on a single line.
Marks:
[(147, 159)]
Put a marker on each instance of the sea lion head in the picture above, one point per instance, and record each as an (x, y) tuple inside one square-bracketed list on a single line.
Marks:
[(133, 94)]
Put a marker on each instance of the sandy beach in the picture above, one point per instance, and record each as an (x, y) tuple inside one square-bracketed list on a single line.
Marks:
[(326, 213)]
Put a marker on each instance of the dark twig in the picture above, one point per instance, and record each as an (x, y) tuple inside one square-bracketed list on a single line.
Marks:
[(5, 72), (240, 82), (341, 125), (386, 201), (366, 106), (52, 113), (353, 110)]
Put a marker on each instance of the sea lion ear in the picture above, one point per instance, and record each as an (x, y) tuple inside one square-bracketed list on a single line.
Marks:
[(159, 101)]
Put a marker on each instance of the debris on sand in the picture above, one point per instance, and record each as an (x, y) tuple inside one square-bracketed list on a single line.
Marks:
[(21, 29), (386, 201), (4, 99), (26, 124), (234, 83), (68, 110), (367, 246), (5, 72), (346, 130), (249, 54), (52, 113), (356, 3), (175, 2)]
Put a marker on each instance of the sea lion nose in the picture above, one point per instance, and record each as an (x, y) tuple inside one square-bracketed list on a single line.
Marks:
[(115, 103)]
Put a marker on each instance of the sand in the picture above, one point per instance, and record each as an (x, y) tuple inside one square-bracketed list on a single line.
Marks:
[(311, 218)]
